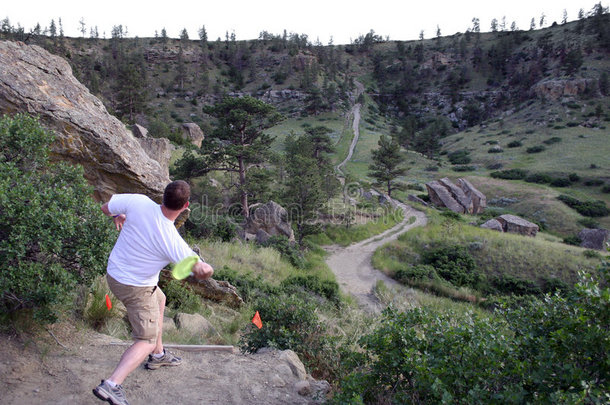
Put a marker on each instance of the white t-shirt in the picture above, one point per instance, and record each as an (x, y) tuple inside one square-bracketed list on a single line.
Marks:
[(147, 243)]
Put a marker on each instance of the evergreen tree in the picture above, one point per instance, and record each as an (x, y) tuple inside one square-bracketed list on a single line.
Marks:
[(237, 144), (386, 163), (303, 194)]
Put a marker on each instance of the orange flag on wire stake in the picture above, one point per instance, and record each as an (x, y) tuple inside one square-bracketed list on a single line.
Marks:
[(257, 320), (108, 303)]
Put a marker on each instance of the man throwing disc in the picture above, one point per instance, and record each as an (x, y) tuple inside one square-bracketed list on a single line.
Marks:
[(147, 243)]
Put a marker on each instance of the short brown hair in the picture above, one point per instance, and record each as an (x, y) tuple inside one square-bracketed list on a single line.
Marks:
[(176, 194)]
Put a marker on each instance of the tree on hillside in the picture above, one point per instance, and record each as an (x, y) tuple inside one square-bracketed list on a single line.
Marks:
[(303, 194), (320, 142), (386, 166), (237, 144)]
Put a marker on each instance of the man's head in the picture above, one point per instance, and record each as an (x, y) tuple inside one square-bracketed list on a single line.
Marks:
[(176, 195)]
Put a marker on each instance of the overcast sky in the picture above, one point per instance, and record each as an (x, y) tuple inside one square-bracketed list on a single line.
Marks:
[(319, 19)]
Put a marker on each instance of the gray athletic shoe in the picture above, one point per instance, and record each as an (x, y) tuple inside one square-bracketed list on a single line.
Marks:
[(168, 359), (115, 396)]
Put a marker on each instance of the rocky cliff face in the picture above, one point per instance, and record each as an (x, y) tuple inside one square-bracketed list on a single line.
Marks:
[(34, 81)]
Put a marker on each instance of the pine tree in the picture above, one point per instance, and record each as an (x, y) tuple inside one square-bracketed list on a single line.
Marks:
[(386, 166)]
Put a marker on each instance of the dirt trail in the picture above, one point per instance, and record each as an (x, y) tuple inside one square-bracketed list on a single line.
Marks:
[(352, 265), (355, 127), (41, 372)]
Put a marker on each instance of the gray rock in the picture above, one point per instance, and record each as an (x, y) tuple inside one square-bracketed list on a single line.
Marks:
[(297, 367), (168, 324), (139, 131), (493, 224), (192, 133), (441, 197), (594, 238), (262, 236), (159, 149), (36, 82), (478, 199), (458, 194), (303, 388), (385, 199), (195, 323), (515, 224), (271, 218), (416, 199)]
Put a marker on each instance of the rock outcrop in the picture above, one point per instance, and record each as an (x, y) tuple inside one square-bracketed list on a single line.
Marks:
[(594, 238), (558, 88), (36, 82), (159, 149), (515, 224), (192, 133), (512, 224), (271, 218), (461, 198)]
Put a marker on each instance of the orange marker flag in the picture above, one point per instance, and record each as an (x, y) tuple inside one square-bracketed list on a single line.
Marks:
[(108, 303), (257, 320)]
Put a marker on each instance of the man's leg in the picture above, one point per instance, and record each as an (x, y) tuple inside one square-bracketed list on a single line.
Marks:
[(131, 359), (159, 346)]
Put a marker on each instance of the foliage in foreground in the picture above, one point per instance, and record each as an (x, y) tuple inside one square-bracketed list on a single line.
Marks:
[(53, 236), (550, 350)]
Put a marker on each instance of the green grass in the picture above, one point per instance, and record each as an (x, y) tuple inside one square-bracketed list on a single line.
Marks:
[(344, 236), (494, 253), (334, 121)]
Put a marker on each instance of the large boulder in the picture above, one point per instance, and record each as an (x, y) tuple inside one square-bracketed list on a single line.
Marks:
[(494, 225), (478, 199), (139, 131), (441, 197), (192, 133), (159, 149), (458, 194), (515, 224), (36, 82), (594, 238), (461, 198), (271, 218)]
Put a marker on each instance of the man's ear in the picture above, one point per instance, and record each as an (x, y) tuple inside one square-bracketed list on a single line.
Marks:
[(186, 205)]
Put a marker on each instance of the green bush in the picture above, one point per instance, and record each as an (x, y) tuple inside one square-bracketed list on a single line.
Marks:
[(289, 251), (313, 284), (507, 284), (514, 144), (53, 236), (454, 264), (585, 208), (573, 240), (463, 168), (415, 273), (218, 227), (180, 296), (541, 351), (593, 182), (552, 140), (589, 223), (560, 182), (510, 174), (539, 178), (574, 177), (606, 189), (459, 157), (535, 149)]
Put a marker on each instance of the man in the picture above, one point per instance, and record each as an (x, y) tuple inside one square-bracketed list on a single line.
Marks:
[(147, 243)]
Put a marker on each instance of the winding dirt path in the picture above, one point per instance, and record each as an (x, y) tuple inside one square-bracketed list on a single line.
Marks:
[(352, 265)]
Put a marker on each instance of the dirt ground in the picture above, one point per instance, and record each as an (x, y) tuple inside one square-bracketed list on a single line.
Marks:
[(40, 371), (352, 265)]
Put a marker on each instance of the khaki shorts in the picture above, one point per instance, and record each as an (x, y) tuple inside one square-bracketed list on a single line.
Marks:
[(142, 305)]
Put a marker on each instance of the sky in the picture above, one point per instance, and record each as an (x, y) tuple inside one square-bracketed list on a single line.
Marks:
[(340, 20)]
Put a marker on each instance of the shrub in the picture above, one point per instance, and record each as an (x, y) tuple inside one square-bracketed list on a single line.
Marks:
[(463, 168), (415, 273), (585, 208), (324, 288), (606, 189), (560, 182), (495, 149), (53, 236), (573, 240), (574, 177), (510, 174), (589, 223), (552, 140), (289, 251), (459, 157), (507, 284), (551, 350), (514, 144), (572, 124), (212, 227), (180, 296), (454, 264), (535, 149), (593, 182), (539, 178)]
